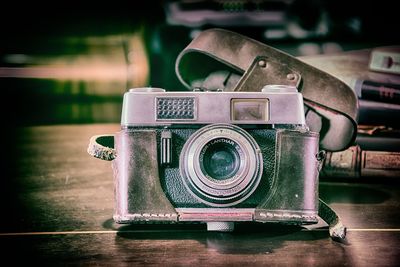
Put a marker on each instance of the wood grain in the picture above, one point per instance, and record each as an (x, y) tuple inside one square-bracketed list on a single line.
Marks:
[(59, 207)]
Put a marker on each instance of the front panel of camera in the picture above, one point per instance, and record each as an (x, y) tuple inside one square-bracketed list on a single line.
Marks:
[(188, 185)]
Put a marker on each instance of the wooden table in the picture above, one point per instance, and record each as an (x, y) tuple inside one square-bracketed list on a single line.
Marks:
[(57, 206)]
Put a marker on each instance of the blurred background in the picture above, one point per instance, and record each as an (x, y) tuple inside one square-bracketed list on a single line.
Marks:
[(72, 65)]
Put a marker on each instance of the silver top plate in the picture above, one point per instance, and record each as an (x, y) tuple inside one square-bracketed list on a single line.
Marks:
[(158, 108)]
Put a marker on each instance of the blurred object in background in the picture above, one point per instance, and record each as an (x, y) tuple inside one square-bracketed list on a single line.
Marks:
[(74, 66), (276, 19), (298, 27), (317, 21), (76, 87), (376, 151), (357, 163)]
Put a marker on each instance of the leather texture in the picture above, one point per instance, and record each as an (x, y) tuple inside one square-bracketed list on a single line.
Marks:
[(138, 190), (146, 190), (336, 228), (285, 187), (102, 147), (295, 187), (179, 195)]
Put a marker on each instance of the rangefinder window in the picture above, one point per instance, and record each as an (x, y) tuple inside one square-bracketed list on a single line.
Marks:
[(249, 110)]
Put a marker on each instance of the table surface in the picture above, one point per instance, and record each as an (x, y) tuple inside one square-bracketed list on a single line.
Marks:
[(57, 204)]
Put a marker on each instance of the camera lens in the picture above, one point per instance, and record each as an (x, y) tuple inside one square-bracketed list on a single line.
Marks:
[(221, 165), (219, 159)]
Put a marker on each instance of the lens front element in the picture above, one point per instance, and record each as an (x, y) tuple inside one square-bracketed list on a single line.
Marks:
[(220, 159), (221, 165)]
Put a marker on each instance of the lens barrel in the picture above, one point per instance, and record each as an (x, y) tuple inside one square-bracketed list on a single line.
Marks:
[(221, 165)]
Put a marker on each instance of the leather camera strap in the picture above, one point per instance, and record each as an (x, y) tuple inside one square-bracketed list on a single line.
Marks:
[(336, 228), (102, 147), (258, 64)]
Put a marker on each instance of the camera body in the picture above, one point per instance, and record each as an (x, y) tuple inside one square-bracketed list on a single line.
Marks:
[(215, 157)]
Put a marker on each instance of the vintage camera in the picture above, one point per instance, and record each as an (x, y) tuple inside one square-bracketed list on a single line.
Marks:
[(241, 153), (215, 157)]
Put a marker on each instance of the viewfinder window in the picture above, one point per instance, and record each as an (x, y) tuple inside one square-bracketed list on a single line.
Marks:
[(249, 110)]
